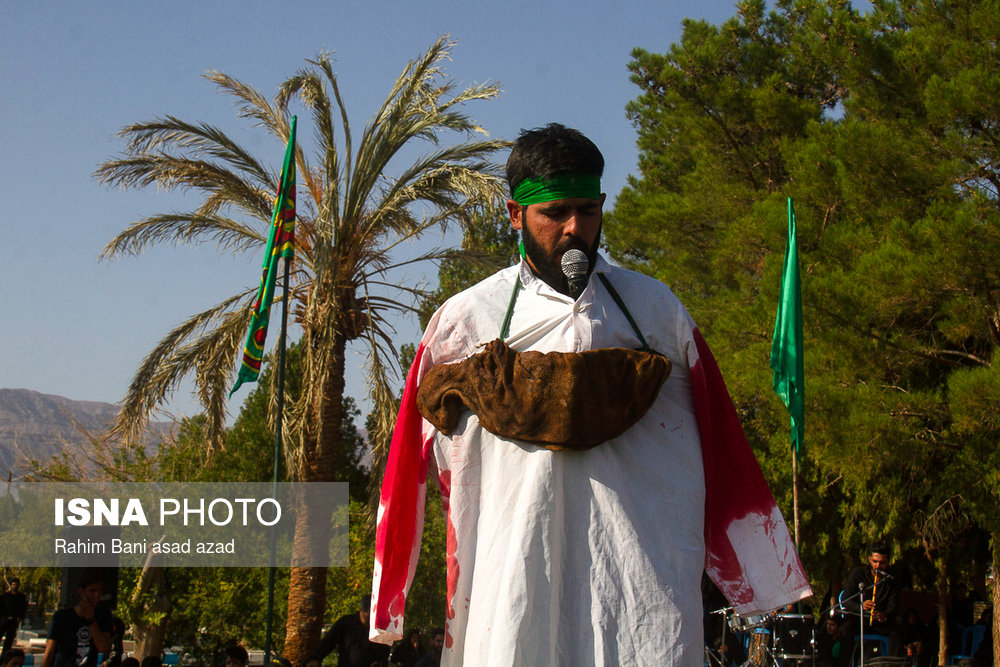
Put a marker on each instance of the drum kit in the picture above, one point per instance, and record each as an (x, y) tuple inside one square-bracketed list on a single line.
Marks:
[(772, 640)]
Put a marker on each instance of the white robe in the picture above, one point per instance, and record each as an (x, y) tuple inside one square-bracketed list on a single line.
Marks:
[(593, 557)]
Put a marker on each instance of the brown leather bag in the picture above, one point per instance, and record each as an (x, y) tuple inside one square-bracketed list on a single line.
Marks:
[(559, 400)]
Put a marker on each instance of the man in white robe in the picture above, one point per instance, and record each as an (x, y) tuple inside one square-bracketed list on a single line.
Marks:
[(593, 556)]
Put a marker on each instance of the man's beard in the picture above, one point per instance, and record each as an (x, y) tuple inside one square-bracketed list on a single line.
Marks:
[(549, 267)]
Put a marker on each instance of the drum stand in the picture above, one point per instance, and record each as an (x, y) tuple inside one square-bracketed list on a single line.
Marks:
[(715, 658)]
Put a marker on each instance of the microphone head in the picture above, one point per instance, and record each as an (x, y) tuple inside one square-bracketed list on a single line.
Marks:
[(574, 266), (574, 263)]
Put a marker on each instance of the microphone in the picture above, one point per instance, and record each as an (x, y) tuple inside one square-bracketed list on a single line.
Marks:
[(882, 574), (574, 266)]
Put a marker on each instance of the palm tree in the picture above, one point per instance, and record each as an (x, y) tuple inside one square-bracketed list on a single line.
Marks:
[(350, 226)]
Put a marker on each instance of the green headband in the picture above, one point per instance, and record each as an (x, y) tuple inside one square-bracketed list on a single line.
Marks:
[(564, 186)]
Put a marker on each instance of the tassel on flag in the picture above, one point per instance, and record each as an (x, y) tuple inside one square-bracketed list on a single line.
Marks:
[(280, 243), (786, 349)]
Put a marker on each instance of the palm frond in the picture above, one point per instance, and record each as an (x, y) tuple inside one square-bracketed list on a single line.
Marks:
[(376, 260), (253, 104), (416, 292), (406, 114), (172, 172), (310, 89), (433, 255), (165, 366), (226, 233), (215, 359), (452, 189), (170, 134)]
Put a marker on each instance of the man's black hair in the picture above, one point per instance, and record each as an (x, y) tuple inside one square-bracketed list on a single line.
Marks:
[(88, 577), (237, 653), (366, 604), (880, 548), (550, 151)]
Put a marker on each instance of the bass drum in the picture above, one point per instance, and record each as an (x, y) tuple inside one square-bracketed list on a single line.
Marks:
[(793, 635)]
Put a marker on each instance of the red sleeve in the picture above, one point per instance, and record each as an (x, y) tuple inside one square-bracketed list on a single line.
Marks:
[(749, 553), (400, 515)]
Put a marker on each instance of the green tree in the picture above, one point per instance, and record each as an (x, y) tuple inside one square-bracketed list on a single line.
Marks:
[(714, 118), (355, 214), (882, 128)]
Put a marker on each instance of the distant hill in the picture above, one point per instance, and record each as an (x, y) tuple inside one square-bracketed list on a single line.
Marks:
[(36, 425)]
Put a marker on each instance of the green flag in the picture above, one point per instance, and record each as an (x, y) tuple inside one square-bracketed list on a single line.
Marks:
[(786, 350), (280, 243)]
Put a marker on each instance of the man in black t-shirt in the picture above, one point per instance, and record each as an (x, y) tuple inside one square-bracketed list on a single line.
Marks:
[(77, 634), (349, 635), (13, 607), (871, 599)]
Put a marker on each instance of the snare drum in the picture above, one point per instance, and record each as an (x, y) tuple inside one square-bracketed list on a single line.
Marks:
[(746, 623), (793, 635)]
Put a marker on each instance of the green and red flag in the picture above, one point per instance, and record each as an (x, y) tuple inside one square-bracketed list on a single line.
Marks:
[(280, 243), (786, 349)]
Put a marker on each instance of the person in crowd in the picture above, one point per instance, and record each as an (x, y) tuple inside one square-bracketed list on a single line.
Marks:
[(871, 599), (114, 657), (407, 652), (433, 657), (915, 638), (79, 633), (349, 636), (236, 656), (131, 661), (829, 643), (13, 608), (984, 652)]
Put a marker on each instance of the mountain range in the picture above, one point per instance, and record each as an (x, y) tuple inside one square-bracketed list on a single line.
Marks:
[(36, 426)]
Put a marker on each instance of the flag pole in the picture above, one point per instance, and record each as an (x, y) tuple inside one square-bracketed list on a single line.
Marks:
[(795, 494), (280, 243), (277, 458)]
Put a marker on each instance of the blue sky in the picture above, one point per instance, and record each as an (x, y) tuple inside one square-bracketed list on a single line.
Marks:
[(73, 74)]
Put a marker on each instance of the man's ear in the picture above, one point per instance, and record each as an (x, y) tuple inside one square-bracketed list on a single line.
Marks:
[(514, 211)]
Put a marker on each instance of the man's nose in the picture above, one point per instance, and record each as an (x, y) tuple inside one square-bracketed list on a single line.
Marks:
[(571, 227)]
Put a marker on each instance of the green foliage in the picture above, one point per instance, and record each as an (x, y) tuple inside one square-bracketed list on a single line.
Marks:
[(882, 127), (211, 608), (425, 603)]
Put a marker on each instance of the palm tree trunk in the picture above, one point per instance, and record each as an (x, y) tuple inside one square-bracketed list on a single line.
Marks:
[(150, 600), (307, 585)]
